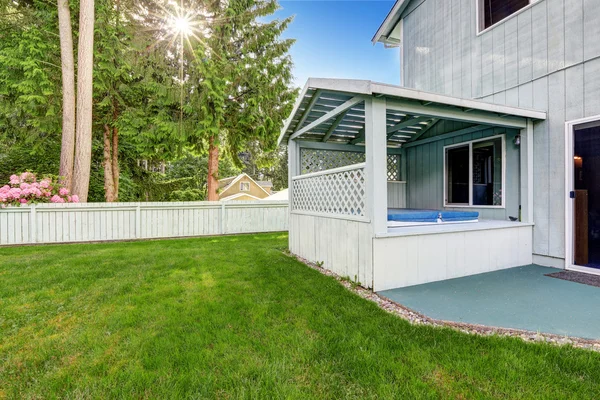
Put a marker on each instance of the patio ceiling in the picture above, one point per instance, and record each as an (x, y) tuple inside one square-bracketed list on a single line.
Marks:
[(333, 111)]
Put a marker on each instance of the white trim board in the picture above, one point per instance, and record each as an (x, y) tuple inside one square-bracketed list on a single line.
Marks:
[(547, 261), (569, 186)]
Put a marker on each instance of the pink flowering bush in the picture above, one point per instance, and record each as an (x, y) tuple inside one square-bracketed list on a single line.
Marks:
[(26, 189)]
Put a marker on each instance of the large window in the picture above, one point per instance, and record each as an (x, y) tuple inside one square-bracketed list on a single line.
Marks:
[(474, 173), (493, 11)]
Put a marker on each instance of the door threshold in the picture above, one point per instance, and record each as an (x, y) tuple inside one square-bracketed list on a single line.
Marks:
[(587, 270)]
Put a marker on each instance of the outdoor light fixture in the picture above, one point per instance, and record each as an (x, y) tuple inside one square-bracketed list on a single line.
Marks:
[(517, 140)]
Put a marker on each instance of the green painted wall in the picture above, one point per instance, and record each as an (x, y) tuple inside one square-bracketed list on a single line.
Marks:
[(425, 174)]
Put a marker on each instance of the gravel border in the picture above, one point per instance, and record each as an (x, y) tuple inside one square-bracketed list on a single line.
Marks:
[(416, 318)]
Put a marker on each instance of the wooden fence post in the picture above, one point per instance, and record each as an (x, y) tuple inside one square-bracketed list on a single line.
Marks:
[(222, 218), (33, 224), (138, 221)]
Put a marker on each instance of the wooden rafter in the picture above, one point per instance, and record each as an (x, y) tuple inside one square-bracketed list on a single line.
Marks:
[(309, 107), (360, 138), (405, 123), (431, 124), (334, 126), (333, 113)]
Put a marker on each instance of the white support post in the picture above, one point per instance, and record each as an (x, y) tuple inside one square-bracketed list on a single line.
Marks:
[(376, 148), (293, 170), (527, 173), (293, 165)]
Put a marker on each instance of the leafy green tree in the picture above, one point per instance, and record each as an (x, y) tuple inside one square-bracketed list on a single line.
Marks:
[(30, 100), (233, 94), (239, 80)]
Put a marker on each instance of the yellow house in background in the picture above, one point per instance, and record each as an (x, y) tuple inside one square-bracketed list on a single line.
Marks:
[(243, 188)]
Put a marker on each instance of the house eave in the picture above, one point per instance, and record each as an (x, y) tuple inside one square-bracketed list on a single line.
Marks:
[(389, 22), (320, 112)]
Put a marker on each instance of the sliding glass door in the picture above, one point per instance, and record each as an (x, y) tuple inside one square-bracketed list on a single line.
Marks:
[(585, 195)]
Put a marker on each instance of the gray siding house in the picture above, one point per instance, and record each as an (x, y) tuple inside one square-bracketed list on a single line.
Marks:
[(540, 54)]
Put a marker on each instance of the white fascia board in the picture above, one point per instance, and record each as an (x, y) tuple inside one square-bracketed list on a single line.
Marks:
[(390, 20), (398, 91), (350, 86), (286, 124)]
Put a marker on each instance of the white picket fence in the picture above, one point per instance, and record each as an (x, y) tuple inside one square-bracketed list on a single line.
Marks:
[(62, 223)]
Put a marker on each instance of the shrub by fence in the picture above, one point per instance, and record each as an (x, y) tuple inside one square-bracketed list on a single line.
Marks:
[(61, 223)]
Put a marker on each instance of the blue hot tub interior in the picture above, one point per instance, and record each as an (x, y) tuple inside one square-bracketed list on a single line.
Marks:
[(414, 215)]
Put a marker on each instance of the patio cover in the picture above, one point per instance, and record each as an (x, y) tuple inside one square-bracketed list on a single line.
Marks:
[(333, 111)]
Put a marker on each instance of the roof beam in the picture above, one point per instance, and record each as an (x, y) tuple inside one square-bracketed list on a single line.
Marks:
[(336, 111), (457, 114), (431, 125), (405, 123), (360, 138), (309, 107), (334, 126), (448, 135)]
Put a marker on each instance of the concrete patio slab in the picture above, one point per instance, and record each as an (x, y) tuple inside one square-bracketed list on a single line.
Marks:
[(517, 298)]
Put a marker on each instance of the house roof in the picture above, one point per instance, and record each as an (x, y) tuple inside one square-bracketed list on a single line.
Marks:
[(281, 195), (238, 195), (265, 183), (333, 111), (226, 181), (390, 21), (230, 181)]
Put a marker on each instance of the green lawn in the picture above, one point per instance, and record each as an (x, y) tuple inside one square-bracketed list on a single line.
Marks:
[(234, 317)]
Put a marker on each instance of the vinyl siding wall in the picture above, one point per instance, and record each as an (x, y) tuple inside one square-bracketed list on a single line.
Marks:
[(547, 57)]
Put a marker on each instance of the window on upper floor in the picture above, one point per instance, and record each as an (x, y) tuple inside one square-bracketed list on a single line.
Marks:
[(245, 186), (493, 11)]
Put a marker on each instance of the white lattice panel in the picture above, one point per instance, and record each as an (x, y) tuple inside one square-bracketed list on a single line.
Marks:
[(313, 160), (393, 167), (338, 193)]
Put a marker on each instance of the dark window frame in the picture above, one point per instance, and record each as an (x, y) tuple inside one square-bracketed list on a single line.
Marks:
[(493, 12)]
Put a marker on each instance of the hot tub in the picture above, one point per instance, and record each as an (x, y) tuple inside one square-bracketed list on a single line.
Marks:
[(408, 216)]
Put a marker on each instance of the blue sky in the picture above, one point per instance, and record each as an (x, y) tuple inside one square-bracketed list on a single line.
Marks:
[(333, 40)]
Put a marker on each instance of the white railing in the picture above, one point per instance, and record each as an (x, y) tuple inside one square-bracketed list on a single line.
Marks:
[(61, 223), (337, 192)]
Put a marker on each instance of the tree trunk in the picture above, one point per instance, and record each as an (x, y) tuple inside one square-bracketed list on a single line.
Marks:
[(67, 151), (213, 169), (115, 162), (85, 60), (109, 184)]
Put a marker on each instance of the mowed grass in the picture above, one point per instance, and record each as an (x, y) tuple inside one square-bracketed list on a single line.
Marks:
[(234, 317)]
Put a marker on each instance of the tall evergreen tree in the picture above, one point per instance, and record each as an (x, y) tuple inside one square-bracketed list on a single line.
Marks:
[(240, 80)]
